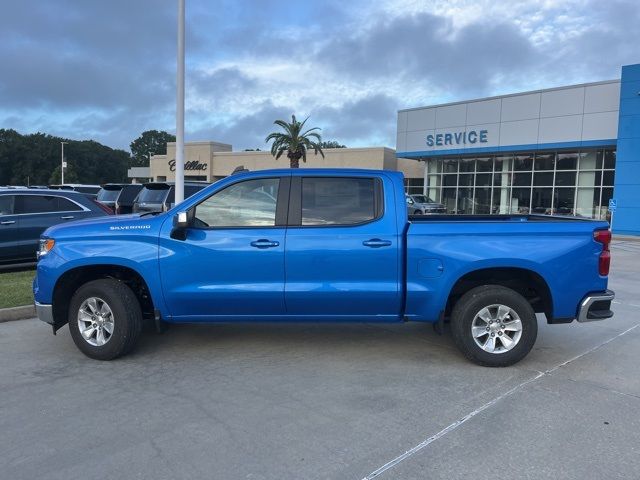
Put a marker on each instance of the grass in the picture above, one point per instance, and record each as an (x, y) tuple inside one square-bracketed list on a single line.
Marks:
[(15, 288)]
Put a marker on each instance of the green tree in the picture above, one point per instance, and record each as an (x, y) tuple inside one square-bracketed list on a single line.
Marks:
[(294, 141), (33, 158), (70, 175), (331, 144), (152, 142)]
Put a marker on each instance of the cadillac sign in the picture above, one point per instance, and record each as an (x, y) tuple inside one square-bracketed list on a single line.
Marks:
[(190, 165)]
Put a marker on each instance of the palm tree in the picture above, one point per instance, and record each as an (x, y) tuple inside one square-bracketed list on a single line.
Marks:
[(294, 141)]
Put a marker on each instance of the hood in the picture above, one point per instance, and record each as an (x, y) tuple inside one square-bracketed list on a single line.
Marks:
[(107, 225)]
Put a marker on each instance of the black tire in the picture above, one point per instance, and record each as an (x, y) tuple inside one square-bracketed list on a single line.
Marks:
[(127, 318), (471, 303)]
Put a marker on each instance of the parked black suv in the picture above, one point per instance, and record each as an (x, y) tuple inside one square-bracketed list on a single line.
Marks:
[(25, 214), (119, 197), (160, 196)]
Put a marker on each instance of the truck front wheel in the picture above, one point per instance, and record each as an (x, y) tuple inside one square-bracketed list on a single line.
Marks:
[(494, 326), (105, 319)]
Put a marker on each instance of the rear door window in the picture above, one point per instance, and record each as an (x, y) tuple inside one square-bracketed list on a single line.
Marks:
[(338, 201), (108, 195), (37, 204), (153, 195), (45, 204), (6, 204)]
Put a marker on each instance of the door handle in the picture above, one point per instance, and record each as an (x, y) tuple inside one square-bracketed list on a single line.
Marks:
[(376, 243), (8, 222), (264, 243), (67, 217)]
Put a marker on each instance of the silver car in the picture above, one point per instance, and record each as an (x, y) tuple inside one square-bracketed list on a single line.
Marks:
[(423, 205)]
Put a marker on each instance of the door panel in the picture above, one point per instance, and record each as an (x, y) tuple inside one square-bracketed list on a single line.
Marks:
[(230, 263), (338, 271), (219, 273)]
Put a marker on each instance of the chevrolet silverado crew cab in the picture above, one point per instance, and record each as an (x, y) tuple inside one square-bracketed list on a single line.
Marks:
[(321, 245)]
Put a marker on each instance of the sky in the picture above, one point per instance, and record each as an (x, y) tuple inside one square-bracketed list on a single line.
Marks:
[(105, 70)]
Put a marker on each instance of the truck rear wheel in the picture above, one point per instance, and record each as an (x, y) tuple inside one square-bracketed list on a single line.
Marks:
[(494, 326), (105, 319)]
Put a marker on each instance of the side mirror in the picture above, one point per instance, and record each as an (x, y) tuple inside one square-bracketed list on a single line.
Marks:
[(181, 220)]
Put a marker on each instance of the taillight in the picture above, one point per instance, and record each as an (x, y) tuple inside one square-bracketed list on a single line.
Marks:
[(103, 207), (604, 261)]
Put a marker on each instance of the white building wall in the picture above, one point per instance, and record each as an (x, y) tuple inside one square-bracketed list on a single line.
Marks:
[(580, 113)]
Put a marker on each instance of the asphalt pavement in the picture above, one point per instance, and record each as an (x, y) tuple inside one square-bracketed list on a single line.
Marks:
[(326, 402)]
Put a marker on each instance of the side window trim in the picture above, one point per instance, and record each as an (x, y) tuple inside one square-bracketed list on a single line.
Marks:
[(282, 205), (295, 202)]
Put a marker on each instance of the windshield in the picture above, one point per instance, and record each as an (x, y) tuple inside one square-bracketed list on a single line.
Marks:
[(421, 199), (152, 195), (110, 195)]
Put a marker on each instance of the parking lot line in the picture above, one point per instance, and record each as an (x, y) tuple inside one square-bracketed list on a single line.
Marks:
[(484, 407)]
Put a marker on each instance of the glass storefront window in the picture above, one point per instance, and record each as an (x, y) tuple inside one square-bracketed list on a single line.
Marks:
[(565, 179), (545, 161), (502, 163), (523, 162), (449, 199), (466, 179), (465, 200), (587, 202), (450, 180), (563, 201), (450, 165), (501, 200), (520, 199), (468, 165), (522, 179), (541, 200), (483, 180), (482, 203), (562, 182), (567, 161), (609, 159), (588, 160), (607, 178), (484, 164), (434, 165), (543, 179)]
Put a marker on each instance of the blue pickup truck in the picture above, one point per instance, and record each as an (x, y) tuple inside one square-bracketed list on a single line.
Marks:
[(321, 245)]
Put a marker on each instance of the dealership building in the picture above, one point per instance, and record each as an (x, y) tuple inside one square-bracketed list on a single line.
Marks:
[(571, 150), (568, 150)]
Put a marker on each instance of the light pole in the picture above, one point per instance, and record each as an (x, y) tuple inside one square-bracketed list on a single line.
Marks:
[(62, 144), (179, 194)]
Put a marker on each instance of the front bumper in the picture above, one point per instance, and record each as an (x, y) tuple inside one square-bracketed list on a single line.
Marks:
[(45, 313), (596, 306)]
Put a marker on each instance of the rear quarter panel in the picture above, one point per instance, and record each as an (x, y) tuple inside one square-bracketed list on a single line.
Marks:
[(564, 254)]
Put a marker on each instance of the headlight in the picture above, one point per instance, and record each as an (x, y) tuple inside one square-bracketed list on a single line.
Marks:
[(46, 244)]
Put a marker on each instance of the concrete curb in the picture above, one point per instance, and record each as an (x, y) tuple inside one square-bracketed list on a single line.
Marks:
[(17, 313)]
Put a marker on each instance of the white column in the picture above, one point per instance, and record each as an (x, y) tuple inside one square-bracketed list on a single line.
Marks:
[(180, 107), (426, 176)]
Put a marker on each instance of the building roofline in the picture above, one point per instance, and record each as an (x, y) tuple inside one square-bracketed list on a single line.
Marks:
[(496, 97), (262, 152)]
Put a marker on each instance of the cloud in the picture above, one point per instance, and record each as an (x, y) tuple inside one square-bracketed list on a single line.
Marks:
[(106, 70)]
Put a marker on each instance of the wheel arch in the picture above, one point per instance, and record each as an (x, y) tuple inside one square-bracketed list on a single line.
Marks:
[(530, 284), (73, 278)]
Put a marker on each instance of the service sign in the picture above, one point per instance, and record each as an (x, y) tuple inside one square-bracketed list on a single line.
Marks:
[(458, 139)]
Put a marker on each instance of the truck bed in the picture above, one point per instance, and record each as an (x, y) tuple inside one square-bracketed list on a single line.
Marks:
[(497, 218)]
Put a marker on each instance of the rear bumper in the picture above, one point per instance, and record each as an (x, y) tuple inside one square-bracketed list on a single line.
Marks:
[(596, 306), (45, 313)]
